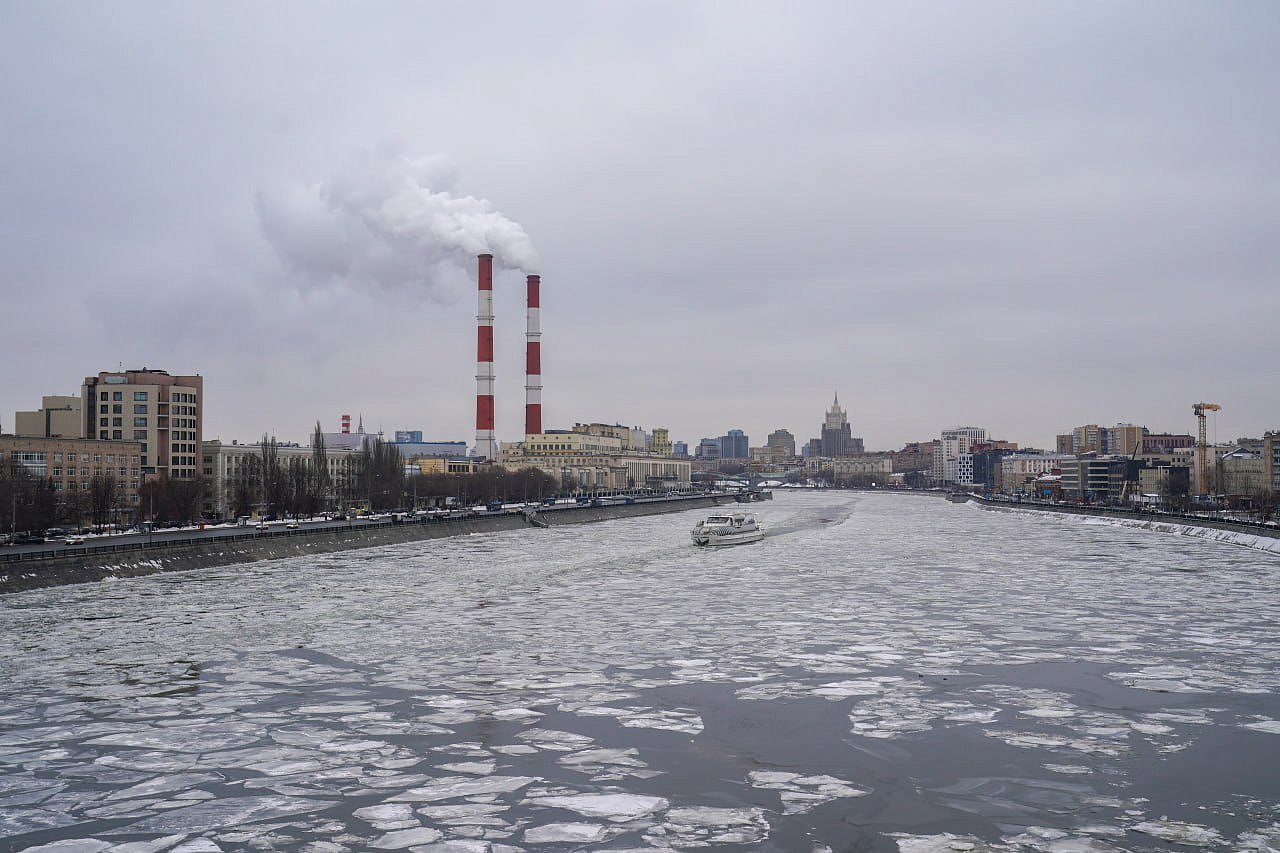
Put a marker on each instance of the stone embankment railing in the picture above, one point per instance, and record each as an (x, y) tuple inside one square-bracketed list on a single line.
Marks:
[(174, 552)]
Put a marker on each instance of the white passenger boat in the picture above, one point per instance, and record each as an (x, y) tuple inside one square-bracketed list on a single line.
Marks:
[(735, 528)]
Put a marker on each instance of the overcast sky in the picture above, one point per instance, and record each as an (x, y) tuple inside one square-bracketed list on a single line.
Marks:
[(1023, 216)]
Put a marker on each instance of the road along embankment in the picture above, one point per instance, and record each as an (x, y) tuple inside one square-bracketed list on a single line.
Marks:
[(95, 563), (1250, 535)]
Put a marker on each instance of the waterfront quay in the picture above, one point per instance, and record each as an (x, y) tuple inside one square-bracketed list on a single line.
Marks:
[(879, 674), (136, 554)]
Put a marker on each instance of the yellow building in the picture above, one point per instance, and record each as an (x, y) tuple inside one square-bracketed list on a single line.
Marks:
[(661, 442), (439, 465), (568, 444), (595, 461)]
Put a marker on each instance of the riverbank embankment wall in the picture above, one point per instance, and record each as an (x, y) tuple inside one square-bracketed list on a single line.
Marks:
[(178, 554)]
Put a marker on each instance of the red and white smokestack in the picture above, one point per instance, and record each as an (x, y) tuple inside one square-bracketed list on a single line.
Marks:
[(533, 359), (486, 446), (346, 424)]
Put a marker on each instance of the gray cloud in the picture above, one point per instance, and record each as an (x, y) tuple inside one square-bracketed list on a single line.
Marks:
[(1024, 215)]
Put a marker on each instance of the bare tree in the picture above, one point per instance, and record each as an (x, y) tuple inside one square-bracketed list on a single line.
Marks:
[(104, 491), (322, 483), (274, 483)]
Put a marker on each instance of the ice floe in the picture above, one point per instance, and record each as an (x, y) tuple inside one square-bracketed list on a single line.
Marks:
[(801, 793), (1179, 832), (617, 807)]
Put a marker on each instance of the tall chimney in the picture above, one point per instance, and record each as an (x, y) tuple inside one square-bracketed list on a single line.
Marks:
[(346, 424), (486, 447), (533, 360)]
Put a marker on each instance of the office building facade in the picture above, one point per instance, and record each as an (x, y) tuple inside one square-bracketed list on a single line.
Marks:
[(163, 413)]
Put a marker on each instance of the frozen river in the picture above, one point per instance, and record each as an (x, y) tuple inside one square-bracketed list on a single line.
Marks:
[(881, 673)]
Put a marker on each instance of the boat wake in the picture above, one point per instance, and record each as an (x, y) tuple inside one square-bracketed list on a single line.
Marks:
[(813, 518)]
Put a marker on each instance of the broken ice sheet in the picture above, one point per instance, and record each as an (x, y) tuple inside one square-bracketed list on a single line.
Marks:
[(476, 768), (1263, 724), (615, 807), (1191, 834), (227, 812), (184, 739), (456, 787), (571, 833), (697, 826), (401, 839), (162, 784), (388, 816), (800, 793), (554, 740)]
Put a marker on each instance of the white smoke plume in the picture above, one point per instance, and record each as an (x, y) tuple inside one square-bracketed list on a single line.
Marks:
[(388, 220)]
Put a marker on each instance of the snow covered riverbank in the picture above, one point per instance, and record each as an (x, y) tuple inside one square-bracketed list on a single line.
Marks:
[(1232, 537)]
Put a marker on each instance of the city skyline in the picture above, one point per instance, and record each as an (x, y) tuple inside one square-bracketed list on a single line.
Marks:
[(1027, 218)]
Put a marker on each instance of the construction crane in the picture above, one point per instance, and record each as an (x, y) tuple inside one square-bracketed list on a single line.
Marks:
[(1202, 446)]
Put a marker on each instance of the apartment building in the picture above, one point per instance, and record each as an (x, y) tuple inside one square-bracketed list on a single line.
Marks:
[(947, 451), (74, 463), (1124, 439), (163, 413), (1019, 471)]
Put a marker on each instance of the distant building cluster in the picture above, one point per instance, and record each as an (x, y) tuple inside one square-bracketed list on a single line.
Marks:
[(133, 439)]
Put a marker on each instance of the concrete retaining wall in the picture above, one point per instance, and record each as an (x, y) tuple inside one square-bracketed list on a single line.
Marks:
[(183, 555)]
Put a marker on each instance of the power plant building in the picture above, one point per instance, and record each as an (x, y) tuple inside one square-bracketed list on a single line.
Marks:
[(597, 456)]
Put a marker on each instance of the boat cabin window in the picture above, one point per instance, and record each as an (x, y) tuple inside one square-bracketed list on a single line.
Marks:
[(718, 519)]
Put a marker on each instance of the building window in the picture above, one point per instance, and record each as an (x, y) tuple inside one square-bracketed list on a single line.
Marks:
[(84, 457), (117, 409), (140, 395), (139, 434), (117, 422), (117, 434), (140, 409), (139, 422), (102, 422), (103, 409), (103, 435)]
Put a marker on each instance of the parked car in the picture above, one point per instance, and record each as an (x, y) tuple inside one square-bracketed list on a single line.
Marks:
[(291, 524), (262, 525), (73, 540)]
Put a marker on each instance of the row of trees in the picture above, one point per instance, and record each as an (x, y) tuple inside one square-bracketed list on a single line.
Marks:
[(31, 503), (489, 484), (300, 486), (374, 477)]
